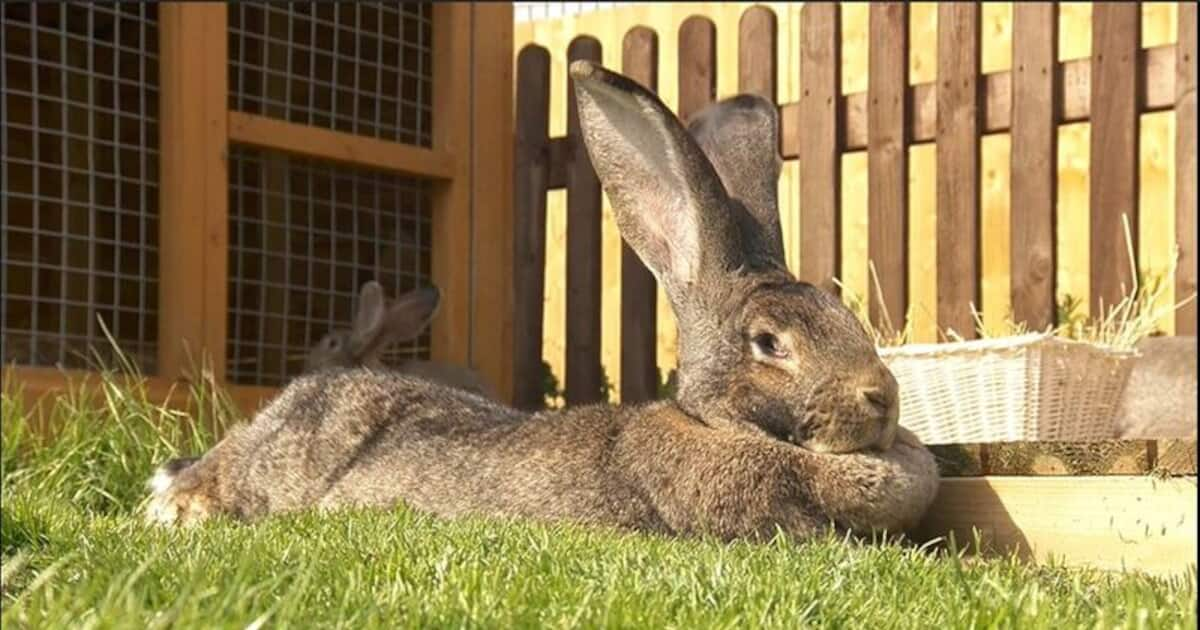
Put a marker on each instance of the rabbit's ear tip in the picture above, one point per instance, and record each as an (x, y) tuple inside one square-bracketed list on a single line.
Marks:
[(582, 69)]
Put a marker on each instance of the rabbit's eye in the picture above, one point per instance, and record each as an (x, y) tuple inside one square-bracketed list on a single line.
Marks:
[(770, 346), (332, 343)]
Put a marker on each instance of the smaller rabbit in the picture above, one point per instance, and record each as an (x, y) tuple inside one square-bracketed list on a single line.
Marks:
[(377, 325)]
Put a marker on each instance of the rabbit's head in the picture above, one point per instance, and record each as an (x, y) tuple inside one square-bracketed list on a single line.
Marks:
[(376, 326), (699, 207)]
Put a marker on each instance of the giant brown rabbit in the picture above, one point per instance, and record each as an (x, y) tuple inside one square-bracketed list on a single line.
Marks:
[(784, 418)]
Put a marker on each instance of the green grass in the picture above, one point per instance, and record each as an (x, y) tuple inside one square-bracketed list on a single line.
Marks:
[(76, 555)]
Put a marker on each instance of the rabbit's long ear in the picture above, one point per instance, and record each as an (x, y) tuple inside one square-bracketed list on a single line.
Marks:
[(668, 201), (740, 137), (368, 319)]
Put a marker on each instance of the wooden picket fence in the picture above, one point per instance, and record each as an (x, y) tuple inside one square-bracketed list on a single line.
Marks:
[(1111, 90)]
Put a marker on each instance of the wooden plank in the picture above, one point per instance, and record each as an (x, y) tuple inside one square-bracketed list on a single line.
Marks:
[(1034, 164), (820, 155), (887, 157), (639, 291), (1156, 93), (337, 146), (529, 223), (1185, 168), (491, 185), (450, 252), (1112, 523), (1113, 197), (1108, 457), (193, 189), (757, 54), (583, 369), (1072, 91), (39, 387), (697, 65), (958, 167), (1175, 457), (556, 163)]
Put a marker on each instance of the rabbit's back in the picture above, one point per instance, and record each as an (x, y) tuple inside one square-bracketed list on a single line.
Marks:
[(374, 438)]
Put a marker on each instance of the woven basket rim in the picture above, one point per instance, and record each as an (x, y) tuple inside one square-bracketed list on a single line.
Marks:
[(1027, 340)]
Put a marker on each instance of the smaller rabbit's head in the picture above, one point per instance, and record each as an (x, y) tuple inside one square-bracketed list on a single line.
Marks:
[(757, 348), (376, 326)]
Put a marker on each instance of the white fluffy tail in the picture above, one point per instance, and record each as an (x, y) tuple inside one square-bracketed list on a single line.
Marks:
[(165, 475)]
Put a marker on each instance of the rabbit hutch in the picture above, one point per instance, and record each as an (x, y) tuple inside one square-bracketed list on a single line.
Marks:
[(211, 183)]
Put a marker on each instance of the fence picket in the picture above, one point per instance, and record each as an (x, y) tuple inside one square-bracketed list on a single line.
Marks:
[(697, 65), (819, 131), (529, 223), (583, 370), (1116, 31), (958, 166), (1185, 167), (1034, 163), (639, 292), (887, 157), (757, 45)]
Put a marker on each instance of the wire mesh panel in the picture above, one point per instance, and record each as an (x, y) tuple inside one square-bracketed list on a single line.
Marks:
[(304, 236), (358, 67), (80, 181)]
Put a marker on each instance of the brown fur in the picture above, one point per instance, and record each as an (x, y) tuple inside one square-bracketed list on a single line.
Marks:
[(1160, 398), (375, 438), (785, 416)]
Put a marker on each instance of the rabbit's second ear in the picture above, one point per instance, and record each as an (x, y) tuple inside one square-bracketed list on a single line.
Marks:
[(408, 317), (669, 204), (368, 319), (740, 137)]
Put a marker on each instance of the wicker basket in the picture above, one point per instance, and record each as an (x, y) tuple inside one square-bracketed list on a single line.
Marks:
[(1024, 388)]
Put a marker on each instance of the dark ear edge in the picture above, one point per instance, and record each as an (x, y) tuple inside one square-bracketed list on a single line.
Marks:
[(740, 137)]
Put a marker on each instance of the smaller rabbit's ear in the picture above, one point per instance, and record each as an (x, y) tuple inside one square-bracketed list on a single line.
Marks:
[(368, 319), (740, 137), (408, 317)]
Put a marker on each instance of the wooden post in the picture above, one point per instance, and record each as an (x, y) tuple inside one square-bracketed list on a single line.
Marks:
[(820, 158), (583, 376), (193, 187), (491, 185), (757, 53), (1116, 32), (639, 292), (451, 253), (887, 160), (958, 167), (1185, 167), (1034, 163), (697, 65), (529, 223)]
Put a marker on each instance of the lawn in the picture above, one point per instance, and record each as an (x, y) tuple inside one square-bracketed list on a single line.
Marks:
[(76, 555)]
